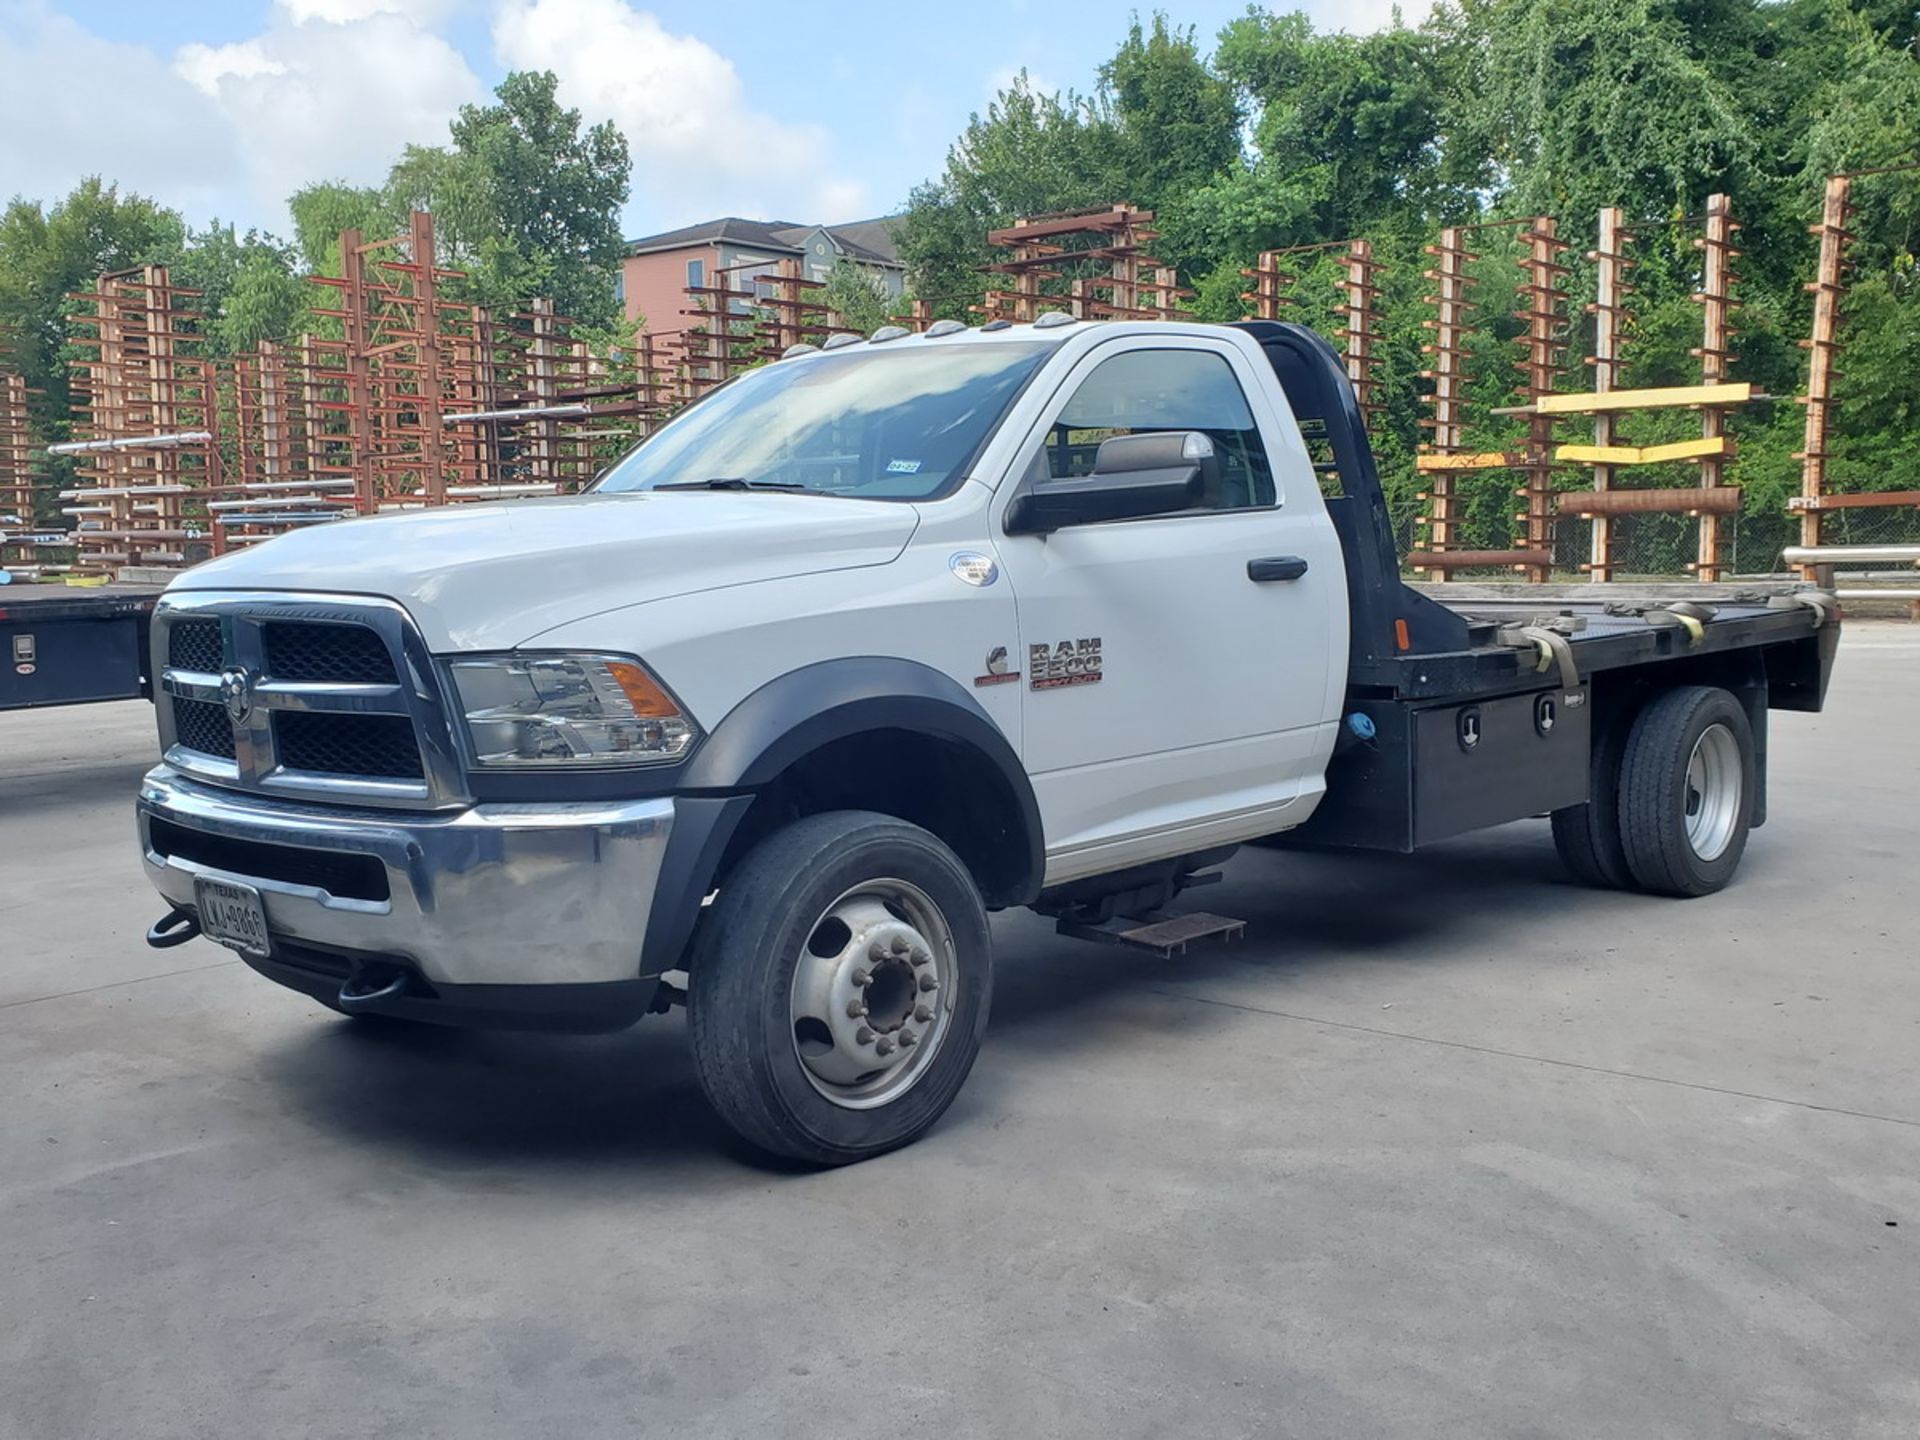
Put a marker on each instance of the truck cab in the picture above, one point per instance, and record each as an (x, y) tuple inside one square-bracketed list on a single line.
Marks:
[(864, 645)]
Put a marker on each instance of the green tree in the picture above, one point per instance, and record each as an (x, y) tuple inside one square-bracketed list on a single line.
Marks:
[(266, 301), (48, 254), (1032, 152), (858, 295), (1175, 122), (1347, 135), (1579, 104), (249, 288), (526, 202), (550, 192), (454, 188), (323, 210), (1870, 119), (1160, 123)]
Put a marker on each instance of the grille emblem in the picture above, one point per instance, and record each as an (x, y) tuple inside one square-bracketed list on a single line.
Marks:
[(236, 693)]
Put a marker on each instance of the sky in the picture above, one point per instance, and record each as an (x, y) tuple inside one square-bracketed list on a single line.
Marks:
[(223, 108)]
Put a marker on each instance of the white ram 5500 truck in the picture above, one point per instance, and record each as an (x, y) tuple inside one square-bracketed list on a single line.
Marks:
[(876, 640)]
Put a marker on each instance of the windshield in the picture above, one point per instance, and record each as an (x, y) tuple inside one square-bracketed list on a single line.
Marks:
[(879, 424)]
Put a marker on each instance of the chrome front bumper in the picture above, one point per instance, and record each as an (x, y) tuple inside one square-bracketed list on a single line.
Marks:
[(490, 895)]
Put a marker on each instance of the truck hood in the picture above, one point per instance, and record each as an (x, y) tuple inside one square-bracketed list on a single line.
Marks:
[(494, 575)]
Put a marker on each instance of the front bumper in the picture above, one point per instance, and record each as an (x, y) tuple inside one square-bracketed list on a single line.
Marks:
[(506, 914)]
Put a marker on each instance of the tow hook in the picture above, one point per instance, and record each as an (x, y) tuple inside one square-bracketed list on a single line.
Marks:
[(372, 984), (176, 927)]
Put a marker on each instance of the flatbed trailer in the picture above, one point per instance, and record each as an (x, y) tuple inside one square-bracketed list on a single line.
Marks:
[(1472, 704), (71, 644)]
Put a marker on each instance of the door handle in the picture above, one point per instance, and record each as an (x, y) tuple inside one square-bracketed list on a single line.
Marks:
[(1276, 567)]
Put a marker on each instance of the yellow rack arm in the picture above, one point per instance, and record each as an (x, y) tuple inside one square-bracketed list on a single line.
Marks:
[(1643, 454)]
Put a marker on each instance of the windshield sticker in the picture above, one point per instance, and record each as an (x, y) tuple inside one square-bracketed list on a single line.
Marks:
[(903, 467)]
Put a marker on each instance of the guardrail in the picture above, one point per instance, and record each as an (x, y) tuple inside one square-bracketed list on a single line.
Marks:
[(1818, 562)]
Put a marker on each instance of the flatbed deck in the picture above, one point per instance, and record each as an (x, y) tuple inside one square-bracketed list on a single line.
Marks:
[(73, 644), (1605, 628)]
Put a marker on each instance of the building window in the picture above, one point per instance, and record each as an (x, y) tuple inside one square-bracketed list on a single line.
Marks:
[(696, 274)]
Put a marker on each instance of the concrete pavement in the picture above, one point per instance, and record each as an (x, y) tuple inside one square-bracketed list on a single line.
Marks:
[(1448, 1148)]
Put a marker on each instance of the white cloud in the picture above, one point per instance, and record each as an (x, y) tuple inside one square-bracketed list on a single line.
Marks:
[(342, 12), (315, 98), (700, 148), (329, 89), (73, 104)]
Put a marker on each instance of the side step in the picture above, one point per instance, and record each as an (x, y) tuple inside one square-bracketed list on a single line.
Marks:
[(1165, 933)]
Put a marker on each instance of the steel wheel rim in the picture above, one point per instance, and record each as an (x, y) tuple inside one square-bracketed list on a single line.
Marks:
[(873, 993), (1714, 783)]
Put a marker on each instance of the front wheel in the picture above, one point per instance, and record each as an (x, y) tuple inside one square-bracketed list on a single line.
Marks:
[(839, 988), (1686, 791)]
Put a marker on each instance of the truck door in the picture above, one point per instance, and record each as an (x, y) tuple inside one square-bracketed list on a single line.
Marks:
[(1182, 672)]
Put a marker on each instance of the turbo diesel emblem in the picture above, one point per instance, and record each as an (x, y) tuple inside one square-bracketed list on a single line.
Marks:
[(236, 693), (1000, 670), (1070, 662)]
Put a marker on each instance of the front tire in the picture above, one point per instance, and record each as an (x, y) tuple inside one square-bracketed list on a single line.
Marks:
[(838, 988), (1686, 791)]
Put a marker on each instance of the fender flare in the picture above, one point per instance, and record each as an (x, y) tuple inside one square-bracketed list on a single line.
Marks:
[(787, 719)]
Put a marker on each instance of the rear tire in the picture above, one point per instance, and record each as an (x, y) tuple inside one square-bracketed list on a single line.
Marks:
[(838, 988), (1686, 791), (1588, 836)]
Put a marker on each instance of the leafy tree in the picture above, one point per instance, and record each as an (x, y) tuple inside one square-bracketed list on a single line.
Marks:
[(860, 297), (323, 210), (1175, 121), (525, 201), (48, 254), (1032, 152), (1347, 135), (1579, 104), (454, 188), (266, 301), (549, 191), (1870, 118), (249, 288)]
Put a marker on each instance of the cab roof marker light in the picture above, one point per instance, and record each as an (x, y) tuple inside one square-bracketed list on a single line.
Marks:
[(888, 332), (998, 325), (1053, 320), (943, 327), (839, 342), (801, 348)]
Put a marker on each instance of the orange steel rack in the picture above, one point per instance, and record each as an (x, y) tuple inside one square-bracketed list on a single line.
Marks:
[(145, 411)]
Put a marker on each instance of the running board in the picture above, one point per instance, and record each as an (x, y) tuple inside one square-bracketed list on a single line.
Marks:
[(1163, 932)]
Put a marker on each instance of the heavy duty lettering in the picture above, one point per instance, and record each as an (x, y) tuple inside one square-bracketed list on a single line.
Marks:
[(1070, 662)]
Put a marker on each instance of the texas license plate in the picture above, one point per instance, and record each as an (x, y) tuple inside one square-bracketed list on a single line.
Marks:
[(231, 914)]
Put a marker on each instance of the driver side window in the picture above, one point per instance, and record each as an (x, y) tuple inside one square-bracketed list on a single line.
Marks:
[(1144, 391)]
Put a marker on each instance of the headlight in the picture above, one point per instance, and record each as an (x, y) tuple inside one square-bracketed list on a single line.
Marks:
[(549, 709)]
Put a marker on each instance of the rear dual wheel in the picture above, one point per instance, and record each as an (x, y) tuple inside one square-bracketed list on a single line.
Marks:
[(839, 988), (1672, 798)]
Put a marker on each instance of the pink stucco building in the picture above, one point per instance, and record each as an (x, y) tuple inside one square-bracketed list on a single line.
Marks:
[(658, 268)]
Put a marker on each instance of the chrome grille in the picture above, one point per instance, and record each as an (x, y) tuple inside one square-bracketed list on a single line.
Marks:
[(201, 725), (296, 651), (195, 645), (302, 695), (348, 744)]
